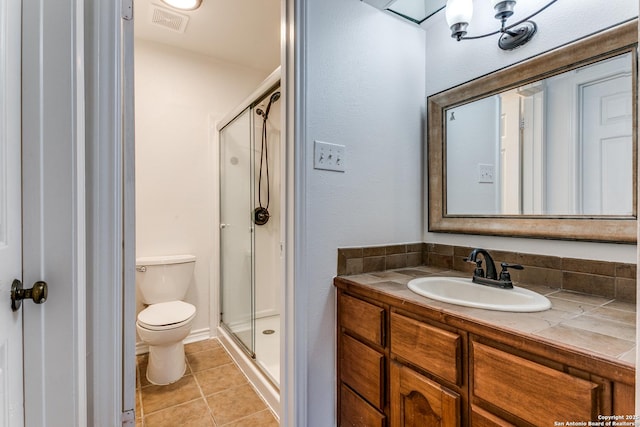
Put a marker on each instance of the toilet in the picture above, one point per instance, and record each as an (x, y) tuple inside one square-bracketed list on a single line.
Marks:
[(166, 320)]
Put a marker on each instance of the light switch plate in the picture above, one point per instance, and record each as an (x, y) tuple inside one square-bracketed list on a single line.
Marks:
[(486, 173), (330, 157)]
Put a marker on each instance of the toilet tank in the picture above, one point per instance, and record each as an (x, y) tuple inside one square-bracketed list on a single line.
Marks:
[(164, 278)]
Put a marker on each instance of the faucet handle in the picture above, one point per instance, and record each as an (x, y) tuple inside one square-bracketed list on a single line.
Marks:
[(478, 272), (504, 274), (505, 265)]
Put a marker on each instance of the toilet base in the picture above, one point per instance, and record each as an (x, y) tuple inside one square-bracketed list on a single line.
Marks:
[(166, 363)]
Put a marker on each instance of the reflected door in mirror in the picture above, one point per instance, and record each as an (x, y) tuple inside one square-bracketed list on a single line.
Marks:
[(558, 146)]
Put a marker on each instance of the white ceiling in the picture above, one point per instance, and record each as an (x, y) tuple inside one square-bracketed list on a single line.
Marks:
[(245, 32)]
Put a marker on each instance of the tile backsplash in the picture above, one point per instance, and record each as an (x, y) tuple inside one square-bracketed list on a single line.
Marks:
[(606, 279)]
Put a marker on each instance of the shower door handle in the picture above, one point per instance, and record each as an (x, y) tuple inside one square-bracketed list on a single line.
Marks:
[(224, 226)]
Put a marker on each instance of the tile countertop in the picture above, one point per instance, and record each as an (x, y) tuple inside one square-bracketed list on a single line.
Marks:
[(593, 324)]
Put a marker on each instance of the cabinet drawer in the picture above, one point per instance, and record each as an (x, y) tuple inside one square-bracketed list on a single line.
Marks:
[(482, 418), (433, 349), (362, 318), (362, 368), (355, 412), (533, 392)]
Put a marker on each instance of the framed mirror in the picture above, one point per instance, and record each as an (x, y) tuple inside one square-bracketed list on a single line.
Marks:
[(546, 148)]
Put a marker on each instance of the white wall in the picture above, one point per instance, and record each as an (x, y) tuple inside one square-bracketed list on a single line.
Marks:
[(450, 63), (363, 87), (177, 93)]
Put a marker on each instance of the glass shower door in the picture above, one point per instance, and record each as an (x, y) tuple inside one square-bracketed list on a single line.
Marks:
[(236, 229)]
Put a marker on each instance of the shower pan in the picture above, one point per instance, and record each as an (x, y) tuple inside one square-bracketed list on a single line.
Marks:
[(250, 230)]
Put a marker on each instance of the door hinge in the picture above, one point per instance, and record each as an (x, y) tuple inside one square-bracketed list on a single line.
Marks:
[(129, 418), (127, 10)]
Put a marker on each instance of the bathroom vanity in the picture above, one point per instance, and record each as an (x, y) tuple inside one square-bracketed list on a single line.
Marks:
[(406, 360)]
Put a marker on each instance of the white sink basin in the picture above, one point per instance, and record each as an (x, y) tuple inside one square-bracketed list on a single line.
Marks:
[(462, 291)]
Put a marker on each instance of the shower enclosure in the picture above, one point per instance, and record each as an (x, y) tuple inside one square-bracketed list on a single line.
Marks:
[(250, 229)]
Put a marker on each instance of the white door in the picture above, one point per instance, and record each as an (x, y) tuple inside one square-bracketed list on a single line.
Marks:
[(607, 147), (11, 395), (53, 203)]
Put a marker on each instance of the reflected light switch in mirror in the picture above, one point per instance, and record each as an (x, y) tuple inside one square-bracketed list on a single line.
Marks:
[(485, 173)]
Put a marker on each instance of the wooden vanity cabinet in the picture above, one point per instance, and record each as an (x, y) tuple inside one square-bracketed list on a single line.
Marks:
[(400, 367), (362, 363)]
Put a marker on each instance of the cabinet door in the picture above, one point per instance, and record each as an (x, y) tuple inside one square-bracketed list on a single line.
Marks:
[(417, 401)]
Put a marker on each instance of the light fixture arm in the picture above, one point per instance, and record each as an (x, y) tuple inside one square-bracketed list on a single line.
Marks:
[(513, 35), (528, 18), (507, 30)]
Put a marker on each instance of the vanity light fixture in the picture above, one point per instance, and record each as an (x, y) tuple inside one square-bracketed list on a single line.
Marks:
[(459, 12), (183, 4)]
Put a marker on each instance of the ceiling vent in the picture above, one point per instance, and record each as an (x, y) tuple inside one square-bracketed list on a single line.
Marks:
[(169, 19)]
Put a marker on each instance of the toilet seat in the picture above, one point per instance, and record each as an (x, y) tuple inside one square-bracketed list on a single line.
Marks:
[(166, 315)]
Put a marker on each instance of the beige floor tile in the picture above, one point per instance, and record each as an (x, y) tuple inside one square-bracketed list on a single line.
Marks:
[(191, 414), (220, 378), (157, 397), (211, 372), (208, 359), (143, 362), (203, 345), (234, 404), (137, 375), (260, 419), (139, 413)]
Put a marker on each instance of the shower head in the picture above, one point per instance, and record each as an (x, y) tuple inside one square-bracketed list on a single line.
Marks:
[(274, 98)]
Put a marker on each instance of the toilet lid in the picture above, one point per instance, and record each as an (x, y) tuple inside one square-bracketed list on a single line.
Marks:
[(166, 313)]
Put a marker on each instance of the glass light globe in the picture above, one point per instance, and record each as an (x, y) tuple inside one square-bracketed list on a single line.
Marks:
[(183, 4), (458, 11)]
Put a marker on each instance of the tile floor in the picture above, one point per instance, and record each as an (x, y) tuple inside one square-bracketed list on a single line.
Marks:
[(212, 393)]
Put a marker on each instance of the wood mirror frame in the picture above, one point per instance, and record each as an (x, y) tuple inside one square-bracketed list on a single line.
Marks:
[(615, 41)]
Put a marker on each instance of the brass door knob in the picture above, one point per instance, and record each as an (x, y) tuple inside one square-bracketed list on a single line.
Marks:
[(38, 293)]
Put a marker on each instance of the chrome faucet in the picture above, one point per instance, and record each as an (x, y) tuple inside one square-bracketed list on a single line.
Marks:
[(490, 277)]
